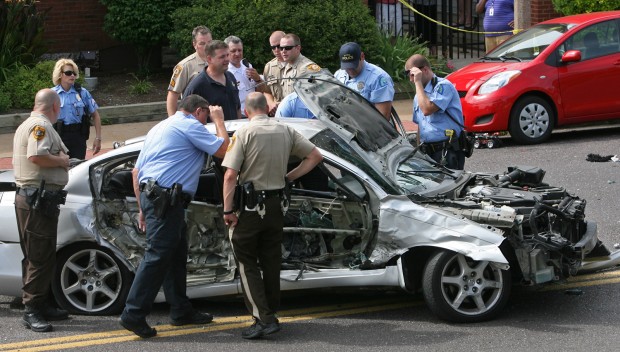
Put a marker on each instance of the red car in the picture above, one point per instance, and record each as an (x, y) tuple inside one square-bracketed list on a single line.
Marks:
[(558, 72)]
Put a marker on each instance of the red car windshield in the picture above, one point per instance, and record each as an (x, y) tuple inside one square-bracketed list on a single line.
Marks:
[(528, 44)]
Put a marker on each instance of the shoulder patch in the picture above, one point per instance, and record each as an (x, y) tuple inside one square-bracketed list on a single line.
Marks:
[(232, 142), (382, 81), (38, 133), (440, 89), (314, 68), (360, 86)]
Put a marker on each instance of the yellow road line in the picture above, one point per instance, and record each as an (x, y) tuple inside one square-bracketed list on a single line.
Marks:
[(227, 323)]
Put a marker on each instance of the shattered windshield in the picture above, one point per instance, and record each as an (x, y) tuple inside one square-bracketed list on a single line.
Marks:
[(415, 175), (528, 44)]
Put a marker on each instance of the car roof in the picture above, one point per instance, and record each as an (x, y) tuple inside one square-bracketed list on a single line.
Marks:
[(585, 17)]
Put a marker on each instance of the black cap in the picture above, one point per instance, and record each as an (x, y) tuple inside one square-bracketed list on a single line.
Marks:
[(350, 54)]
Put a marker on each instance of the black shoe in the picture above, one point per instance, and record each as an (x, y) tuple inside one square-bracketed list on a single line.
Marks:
[(35, 321), (193, 318), (54, 314), (141, 329), (260, 329)]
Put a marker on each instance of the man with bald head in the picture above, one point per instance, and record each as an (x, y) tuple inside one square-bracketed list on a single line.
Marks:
[(437, 111), (40, 164), (273, 72), (256, 232)]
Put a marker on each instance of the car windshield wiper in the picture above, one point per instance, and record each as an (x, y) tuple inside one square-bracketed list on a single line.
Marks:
[(506, 58), (488, 58)]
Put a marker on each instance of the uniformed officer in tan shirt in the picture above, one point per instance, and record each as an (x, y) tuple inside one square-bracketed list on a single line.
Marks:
[(259, 152), (39, 154), (273, 72), (188, 68), (297, 65)]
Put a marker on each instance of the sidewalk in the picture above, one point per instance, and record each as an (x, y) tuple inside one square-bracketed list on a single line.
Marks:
[(124, 131)]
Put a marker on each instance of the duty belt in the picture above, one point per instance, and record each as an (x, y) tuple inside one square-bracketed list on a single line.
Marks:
[(433, 147), (74, 127), (270, 193)]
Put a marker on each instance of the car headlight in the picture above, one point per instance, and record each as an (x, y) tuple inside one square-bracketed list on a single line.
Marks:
[(499, 80)]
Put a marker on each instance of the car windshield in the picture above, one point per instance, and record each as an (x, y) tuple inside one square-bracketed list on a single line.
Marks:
[(330, 141), (415, 175), (528, 44)]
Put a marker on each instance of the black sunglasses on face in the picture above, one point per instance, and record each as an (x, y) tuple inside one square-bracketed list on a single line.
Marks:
[(288, 47), (70, 73), (274, 47)]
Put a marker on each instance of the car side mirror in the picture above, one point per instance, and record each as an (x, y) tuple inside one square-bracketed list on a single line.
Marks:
[(571, 56)]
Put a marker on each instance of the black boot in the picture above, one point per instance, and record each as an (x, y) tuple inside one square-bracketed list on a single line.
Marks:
[(33, 319), (52, 313)]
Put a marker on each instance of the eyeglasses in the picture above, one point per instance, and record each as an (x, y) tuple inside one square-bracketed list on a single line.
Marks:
[(70, 73), (288, 47), (274, 47)]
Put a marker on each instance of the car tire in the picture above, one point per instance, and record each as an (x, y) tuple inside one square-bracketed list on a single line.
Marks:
[(461, 290), (90, 280), (531, 120)]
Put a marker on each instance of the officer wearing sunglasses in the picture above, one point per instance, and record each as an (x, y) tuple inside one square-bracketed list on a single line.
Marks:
[(297, 65), (75, 103)]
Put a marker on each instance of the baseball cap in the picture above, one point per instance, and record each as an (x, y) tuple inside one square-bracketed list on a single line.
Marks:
[(350, 54)]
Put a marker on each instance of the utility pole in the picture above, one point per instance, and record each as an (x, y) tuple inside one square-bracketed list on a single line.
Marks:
[(523, 14)]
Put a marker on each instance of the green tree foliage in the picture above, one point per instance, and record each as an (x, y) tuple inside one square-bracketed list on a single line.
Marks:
[(25, 82), (141, 23), (21, 35), (572, 7), (322, 25)]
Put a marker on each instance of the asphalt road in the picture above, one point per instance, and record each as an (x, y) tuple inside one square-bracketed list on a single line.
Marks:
[(580, 315)]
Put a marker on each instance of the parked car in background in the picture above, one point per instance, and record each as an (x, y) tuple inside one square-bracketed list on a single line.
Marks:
[(559, 72), (375, 213)]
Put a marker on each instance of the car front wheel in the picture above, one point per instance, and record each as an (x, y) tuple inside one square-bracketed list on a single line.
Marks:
[(531, 120), (90, 280), (461, 290)]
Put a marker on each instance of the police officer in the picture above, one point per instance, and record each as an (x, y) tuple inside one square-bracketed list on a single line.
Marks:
[(258, 156), (371, 81), (438, 113), (273, 72), (292, 106), (165, 180), (188, 68), (39, 155), (75, 101), (297, 65)]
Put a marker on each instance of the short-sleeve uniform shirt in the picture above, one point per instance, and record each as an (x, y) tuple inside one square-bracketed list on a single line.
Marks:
[(433, 128), (373, 83), (36, 136), (293, 106), (185, 71), (273, 75), (174, 152), (72, 104), (300, 67), (261, 149)]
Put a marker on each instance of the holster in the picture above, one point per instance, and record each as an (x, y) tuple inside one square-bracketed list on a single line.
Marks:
[(239, 202), (85, 127), (249, 196), (159, 197)]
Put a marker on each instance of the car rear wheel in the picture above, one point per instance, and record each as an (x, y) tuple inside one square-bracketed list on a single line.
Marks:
[(462, 290), (90, 280), (531, 120)]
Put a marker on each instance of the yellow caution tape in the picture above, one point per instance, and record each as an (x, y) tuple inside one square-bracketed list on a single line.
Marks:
[(514, 31)]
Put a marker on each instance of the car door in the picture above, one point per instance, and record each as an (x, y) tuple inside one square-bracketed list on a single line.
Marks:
[(587, 87)]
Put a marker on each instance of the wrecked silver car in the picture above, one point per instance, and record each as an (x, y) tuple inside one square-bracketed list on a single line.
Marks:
[(374, 213)]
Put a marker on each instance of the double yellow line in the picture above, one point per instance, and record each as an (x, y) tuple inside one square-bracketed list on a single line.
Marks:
[(293, 315), (219, 324)]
